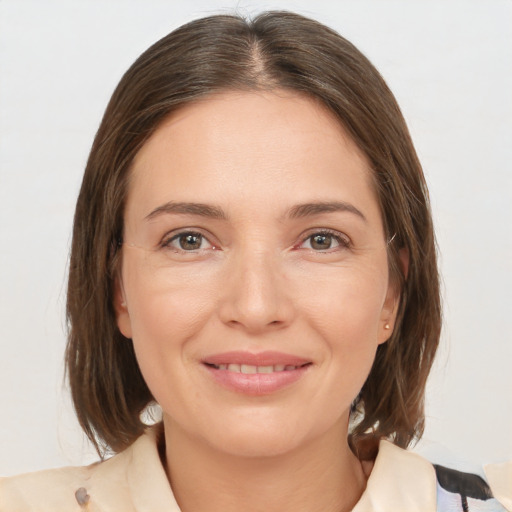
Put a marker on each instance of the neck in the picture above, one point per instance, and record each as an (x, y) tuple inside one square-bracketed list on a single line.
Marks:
[(322, 476)]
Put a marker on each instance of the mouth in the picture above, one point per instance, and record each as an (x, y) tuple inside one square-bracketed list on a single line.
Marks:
[(249, 369), (256, 374)]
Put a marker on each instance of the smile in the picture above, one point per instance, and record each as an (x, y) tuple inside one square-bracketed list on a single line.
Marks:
[(258, 374), (251, 369)]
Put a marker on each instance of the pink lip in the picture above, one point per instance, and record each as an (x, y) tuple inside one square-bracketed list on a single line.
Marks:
[(256, 384), (268, 358)]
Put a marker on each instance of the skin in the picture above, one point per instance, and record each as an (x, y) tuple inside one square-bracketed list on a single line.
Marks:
[(259, 280)]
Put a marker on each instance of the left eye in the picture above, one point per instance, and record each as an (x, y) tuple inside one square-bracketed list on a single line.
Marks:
[(189, 241), (324, 241)]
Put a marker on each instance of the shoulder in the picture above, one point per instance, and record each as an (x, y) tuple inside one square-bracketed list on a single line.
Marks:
[(403, 480), (460, 491), (400, 480), (127, 482), (66, 489), (54, 489)]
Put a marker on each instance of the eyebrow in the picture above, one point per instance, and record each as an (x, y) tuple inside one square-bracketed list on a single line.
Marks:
[(311, 209), (203, 210), (215, 212)]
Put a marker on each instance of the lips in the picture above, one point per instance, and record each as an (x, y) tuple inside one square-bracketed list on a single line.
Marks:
[(256, 374), (251, 369), (267, 358)]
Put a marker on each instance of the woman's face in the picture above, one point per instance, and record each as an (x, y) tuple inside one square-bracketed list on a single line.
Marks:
[(254, 279)]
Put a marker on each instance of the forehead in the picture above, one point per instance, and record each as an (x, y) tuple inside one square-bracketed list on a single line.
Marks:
[(274, 146)]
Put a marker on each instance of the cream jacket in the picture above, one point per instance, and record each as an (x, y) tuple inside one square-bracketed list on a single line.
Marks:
[(135, 481)]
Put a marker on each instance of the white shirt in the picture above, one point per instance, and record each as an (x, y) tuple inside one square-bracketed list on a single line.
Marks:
[(135, 481)]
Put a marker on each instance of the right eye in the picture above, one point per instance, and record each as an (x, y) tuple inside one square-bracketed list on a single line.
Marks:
[(188, 241)]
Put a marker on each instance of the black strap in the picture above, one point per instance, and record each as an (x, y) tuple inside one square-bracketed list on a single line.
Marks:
[(467, 485)]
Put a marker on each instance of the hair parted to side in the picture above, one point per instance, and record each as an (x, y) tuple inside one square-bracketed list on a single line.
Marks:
[(276, 50)]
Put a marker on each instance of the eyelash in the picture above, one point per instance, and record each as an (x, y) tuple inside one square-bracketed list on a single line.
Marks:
[(168, 239), (342, 240)]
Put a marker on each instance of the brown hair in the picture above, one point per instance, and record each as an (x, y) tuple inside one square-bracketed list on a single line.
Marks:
[(275, 50)]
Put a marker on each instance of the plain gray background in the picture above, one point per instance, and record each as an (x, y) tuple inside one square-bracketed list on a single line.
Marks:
[(448, 63)]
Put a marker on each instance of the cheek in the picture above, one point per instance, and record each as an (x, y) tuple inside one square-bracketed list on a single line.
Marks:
[(166, 320), (348, 301), (164, 301), (165, 314), (347, 316)]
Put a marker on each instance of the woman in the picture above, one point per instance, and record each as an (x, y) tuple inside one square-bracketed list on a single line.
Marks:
[(253, 249)]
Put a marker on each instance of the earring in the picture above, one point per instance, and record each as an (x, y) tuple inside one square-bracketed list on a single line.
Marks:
[(386, 326)]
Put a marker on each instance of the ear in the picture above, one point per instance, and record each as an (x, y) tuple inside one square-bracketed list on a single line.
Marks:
[(392, 301), (121, 308)]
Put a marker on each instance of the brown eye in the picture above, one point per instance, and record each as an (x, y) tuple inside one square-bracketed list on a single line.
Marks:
[(187, 241), (325, 241), (190, 241), (321, 242)]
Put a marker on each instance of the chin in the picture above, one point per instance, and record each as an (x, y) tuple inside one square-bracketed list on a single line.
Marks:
[(260, 444), (270, 436)]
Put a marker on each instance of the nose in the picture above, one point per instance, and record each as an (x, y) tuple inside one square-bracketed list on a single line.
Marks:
[(256, 294)]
